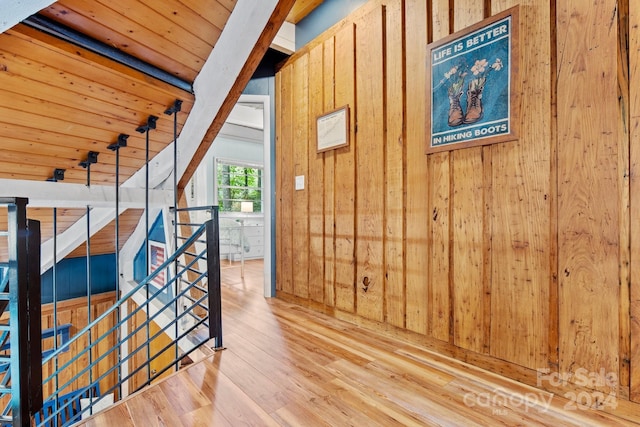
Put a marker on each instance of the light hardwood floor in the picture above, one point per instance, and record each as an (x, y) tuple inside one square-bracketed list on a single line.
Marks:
[(286, 365)]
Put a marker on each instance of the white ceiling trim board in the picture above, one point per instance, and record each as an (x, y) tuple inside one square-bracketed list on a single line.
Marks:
[(75, 235), (67, 195), (14, 12)]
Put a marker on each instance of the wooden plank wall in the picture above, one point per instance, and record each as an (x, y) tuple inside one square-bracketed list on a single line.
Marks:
[(588, 172), (137, 341), (517, 256), (634, 205), (74, 312)]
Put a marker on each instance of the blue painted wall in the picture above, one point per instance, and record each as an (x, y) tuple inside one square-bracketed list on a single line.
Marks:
[(71, 281), (323, 17)]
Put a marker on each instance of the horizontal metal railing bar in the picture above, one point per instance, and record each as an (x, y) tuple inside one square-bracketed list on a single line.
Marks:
[(4, 233), (195, 316), (61, 407), (136, 350), (131, 374), (200, 288), (184, 238), (191, 254), (201, 241), (115, 346), (195, 208), (129, 356), (192, 270), (188, 268), (4, 296), (198, 279), (177, 319), (183, 269), (201, 275), (166, 347), (4, 327), (189, 265), (96, 341), (202, 257), (171, 260), (189, 224), (165, 369), (193, 300), (199, 255)]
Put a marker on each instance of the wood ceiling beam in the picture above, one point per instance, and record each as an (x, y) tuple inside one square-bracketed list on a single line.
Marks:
[(62, 32), (301, 9)]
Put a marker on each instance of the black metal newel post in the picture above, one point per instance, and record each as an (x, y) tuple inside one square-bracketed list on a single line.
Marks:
[(174, 110), (213, 281), (122, 142), (54, 286), (92, 157), (58, 175), (151, 124)]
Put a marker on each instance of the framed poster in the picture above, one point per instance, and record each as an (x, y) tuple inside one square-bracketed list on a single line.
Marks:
[(470, 92), (157, 257), (333, 129)]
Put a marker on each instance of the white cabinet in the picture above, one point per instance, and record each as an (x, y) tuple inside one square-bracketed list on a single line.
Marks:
[(241, 233), (254, 238)]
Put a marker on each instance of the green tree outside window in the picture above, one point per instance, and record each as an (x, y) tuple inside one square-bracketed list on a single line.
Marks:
[(238, 184)]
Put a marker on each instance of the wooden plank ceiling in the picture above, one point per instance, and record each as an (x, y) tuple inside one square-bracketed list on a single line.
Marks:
[(101, 243), (59, 101)]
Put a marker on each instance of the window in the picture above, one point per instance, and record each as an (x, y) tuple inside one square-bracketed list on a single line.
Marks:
[(239, 183)]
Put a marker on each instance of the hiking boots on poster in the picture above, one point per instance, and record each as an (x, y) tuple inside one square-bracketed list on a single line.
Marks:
[(456, 117), (474, 106)]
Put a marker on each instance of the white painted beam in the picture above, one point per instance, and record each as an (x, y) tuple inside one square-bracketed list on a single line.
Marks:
[(211, 87), (75, 235), (285, 40), (66, 195), (246, 115), (14, 12)]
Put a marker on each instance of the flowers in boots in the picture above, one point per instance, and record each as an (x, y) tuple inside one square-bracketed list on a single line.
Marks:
[(456, 77)]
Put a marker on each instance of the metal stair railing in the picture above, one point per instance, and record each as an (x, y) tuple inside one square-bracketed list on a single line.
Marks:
[(20, 369), (199, 298)]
